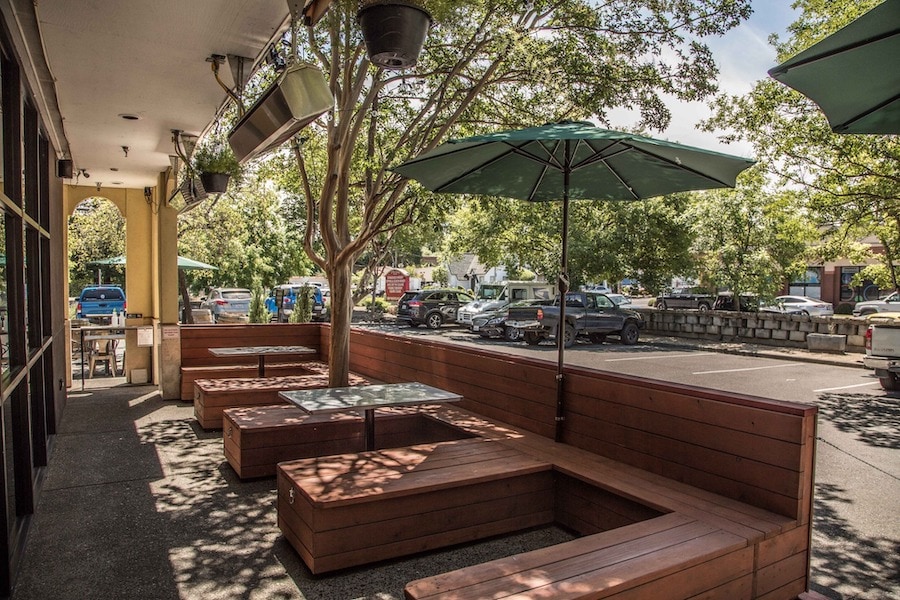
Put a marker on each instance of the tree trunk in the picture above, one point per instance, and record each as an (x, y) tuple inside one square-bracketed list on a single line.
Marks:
[(341, 312), (187, 314)]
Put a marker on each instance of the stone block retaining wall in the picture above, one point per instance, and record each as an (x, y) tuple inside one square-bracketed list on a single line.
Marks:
[(762, 328)]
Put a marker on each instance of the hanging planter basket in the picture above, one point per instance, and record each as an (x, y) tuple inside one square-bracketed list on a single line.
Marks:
[(394, 32), (215, 183)]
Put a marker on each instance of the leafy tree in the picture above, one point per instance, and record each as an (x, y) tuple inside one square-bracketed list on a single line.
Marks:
[(489, 64), (646, 240), (749, 239), (258, 311), (851, 183), (303, 306), (96, 232), (244, 235)]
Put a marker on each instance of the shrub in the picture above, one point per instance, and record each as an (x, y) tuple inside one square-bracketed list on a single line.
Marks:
[(303, 305), (258, 311), (844, 308)]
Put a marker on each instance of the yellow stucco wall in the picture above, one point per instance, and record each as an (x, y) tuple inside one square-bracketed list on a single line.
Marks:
[(151, 282)]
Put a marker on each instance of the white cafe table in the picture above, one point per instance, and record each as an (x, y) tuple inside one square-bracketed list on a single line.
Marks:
[(367, 398)]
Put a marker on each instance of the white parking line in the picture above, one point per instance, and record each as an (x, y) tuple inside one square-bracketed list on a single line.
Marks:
[(746, 369), (846, 387), (657, 357)]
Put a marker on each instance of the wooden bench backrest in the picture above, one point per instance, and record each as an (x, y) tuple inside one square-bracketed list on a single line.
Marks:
[(196, 340), (754, 450)]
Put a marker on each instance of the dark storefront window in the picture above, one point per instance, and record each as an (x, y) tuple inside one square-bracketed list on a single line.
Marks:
[(809, 285), (857, 293)]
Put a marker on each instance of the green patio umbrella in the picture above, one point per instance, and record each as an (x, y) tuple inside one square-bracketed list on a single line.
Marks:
[(853, 74), (570, 159), (183, 263)]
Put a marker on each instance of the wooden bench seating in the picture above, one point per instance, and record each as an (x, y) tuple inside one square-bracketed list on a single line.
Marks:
[(681, 542), (347, 510), (257, 438), (671, 556), (190, 375), (212, 396)]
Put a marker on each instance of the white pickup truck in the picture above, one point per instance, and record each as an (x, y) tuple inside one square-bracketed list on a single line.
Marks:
[(883, 350)]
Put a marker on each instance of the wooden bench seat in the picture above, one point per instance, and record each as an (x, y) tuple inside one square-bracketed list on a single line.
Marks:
[(348, 510), (212, 396), (257, 438), (189, 375), (741, 553), (671, 556)]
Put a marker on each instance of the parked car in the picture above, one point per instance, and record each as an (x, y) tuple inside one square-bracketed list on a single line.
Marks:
[(494, 297), (587, 313), (890, 303), (97, 301), (493, 325), (290, 299), (799, 305), (725, 301), (685, 298), (430, 307), (228, 304)]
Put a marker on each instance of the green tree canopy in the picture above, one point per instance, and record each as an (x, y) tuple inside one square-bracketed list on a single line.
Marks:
[(850, 183), (96, 232)]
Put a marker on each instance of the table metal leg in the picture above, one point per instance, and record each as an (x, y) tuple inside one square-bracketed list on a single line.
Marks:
[(81, 354), (262, 365), (370, 429)]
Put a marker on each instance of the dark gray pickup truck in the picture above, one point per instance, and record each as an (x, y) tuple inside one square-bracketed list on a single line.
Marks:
[(685, 298), (590, 314)]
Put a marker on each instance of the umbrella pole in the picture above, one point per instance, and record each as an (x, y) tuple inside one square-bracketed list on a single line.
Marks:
[(563, 288)]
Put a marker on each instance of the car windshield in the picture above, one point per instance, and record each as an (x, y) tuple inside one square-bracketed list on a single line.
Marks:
[(236, 294), (490, 292), (618, 299), (103, 294)]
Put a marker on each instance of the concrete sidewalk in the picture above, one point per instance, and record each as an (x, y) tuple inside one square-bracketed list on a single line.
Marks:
[(139, 503)]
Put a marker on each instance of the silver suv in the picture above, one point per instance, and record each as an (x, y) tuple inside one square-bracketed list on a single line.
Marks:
[(870, 307)]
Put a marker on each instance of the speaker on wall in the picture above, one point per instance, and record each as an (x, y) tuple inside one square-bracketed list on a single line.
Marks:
[(64, 168)]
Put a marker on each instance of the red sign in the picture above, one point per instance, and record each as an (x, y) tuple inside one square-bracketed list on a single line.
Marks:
[(395, 283)]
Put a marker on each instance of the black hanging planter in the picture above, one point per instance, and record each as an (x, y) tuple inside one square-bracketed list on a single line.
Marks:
[(394, 32), (215, 183)]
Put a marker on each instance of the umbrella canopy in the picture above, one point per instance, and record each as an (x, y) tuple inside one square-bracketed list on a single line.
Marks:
[(183, 263), (852, 74), (570, 159)]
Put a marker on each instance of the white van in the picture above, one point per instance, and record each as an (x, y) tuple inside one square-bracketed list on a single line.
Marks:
[(494, 297)]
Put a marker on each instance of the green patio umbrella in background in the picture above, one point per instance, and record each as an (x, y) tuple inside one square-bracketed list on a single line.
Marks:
[(570, 159), (183, 263), (853, 74)]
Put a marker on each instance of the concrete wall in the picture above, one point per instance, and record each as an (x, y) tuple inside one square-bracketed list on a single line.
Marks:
[(762, 328)]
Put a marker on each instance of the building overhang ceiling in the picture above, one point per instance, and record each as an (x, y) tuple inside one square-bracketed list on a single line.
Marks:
[(95, 66)]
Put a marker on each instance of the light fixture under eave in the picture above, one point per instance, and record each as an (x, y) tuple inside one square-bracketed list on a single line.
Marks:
[(295, 100)]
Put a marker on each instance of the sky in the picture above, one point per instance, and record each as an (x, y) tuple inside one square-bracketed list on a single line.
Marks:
[(744, 56)]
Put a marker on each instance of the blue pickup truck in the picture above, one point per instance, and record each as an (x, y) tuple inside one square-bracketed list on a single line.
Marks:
[(100, 301)]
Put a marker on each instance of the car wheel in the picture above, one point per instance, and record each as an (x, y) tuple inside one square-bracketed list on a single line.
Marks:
[(512, 334), (597, 338), (434, 320), (532, 338), (630, 334), (703, 307), (413, 324), (890, 382), (569, 332), (805, 313), (661, 306)]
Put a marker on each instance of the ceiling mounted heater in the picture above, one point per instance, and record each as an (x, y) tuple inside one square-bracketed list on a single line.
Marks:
[(297, 99)]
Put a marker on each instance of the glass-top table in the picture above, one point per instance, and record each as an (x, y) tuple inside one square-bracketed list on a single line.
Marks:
[(261, 352), (367, 398)]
